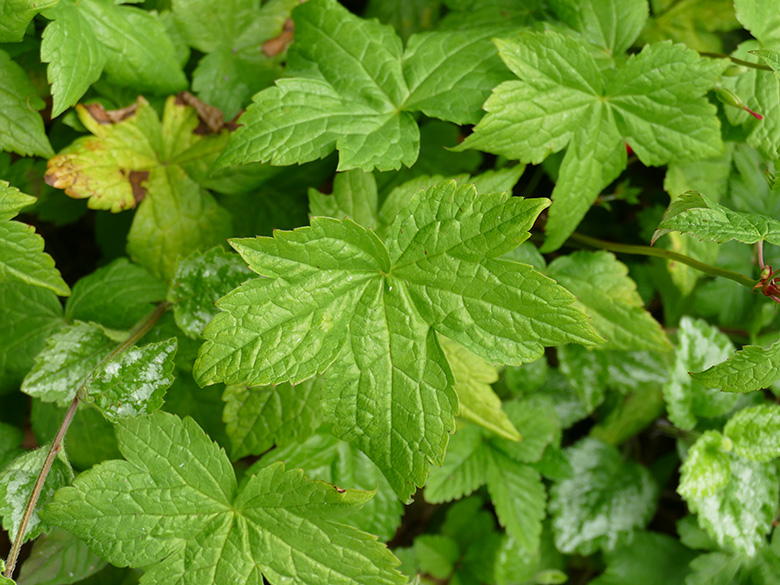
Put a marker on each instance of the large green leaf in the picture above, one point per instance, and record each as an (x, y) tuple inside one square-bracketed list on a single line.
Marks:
[(760, 17), (279, 524), (609, 24), (21, 250), (654, 103), (337, 299), (603, 503), (15, 16), (21, 126)]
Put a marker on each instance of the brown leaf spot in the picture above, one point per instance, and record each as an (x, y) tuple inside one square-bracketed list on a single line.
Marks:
[(136, 180), (104, 116), (277, 45), (211, 119)]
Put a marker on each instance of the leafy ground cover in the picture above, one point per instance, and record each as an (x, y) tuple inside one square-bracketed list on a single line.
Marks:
[(398, 291)]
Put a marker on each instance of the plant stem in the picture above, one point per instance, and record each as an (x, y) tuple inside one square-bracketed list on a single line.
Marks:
[(141, 329), (759, 66), (667, 254)]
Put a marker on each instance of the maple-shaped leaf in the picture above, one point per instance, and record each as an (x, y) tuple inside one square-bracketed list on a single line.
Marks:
[(749, 369), (697, 214), (21, 249), (243, 46), (351, 87), (475, 458), (136, 158), (338, 299), (21, 126), (90, 37), (174, 508), (654, 102)]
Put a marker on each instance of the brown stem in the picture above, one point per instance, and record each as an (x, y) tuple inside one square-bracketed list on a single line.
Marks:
[(141, 329)]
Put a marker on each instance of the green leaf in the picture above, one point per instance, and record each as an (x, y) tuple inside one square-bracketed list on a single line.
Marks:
[(279, 524), (754, 432), (654, 102), (59, 558), (21, 126), (651, 559), (328, 459), (117, 295), (16, 485), (699, 346), (406, 16), (21, 250), (17, 15), (707, 468), (259, 418), (772, 58), (478, 402), (760, 18), (751, 368), (605, 501), (603, 286), (693, 23), (354, 196), (68, 358), (75, 55), (437, 554), (201, 280), (612, 25), (464, 469), (133, 384), (740, 514), (28, 315), (697, 214)]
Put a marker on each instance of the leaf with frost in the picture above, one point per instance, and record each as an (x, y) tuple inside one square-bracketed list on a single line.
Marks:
[(749, 369), (134, 383), (707, 468), (70, 355), (278, 524), (21, 250), (755, 432), (338, 299), (16, 485)]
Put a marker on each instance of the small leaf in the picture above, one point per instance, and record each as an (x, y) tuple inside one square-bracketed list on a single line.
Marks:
[(697, 214), (755, 432), (135, 383), (16, 485), (749, 369), (354, 196), (605, 501), (707, 468), (772, 58), (59, 558), (436, 554)]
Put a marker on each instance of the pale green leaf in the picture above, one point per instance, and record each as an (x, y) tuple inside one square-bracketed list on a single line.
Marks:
[(59, 558), (760, 17), (16, 485), (740, 514), (279, 524), (586, 371), (354, 196), (699, 346), (707, 468), (28, 315), (21, 126), (539, 426), (755, 432), (695, 23), (21, 250), (605, 501), (751, 368), (519, 497), (464, 469), (710, 176), (328, 459), (175, 220), (261, 417), (15, 16), (602, 285), (200, 281), (612, 24), (450, 73), (697, 214), (478, 402), (117, 295), (437, 555), (134, 383), (651, 559), (75, 56), (66, 361)]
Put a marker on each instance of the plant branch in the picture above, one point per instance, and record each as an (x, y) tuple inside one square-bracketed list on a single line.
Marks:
[(141, 329), (666, 254), (759, 66)]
